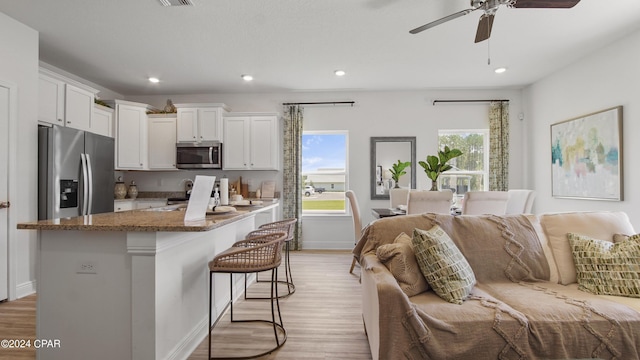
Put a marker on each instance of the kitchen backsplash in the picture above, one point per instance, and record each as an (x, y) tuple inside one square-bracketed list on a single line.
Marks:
[(174, 181)]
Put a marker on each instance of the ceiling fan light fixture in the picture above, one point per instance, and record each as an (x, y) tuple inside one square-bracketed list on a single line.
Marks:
[(500, 70), (154, 80), (340, 73), (247, 77)]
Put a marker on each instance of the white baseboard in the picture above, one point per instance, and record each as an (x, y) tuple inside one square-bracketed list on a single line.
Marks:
[(190, 342), (25, 289)]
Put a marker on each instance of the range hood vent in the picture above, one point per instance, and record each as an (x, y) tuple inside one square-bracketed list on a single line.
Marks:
[(176, 2)]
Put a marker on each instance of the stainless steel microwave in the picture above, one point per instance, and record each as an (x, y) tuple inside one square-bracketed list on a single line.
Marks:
[(204, 155)]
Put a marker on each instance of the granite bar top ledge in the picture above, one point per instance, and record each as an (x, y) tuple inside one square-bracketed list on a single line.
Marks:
[(143, 220)]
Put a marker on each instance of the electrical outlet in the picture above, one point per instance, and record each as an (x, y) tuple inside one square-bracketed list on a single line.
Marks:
[(86, 267)]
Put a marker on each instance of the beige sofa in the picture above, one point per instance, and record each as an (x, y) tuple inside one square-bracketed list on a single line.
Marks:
[(525, 304)]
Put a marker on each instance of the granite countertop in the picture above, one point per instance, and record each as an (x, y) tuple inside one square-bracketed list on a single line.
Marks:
[(158, 219)]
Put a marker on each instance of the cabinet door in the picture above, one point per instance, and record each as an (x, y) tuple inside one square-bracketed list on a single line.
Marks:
[(148, 204), (131, 139), (235, 151), (187, 128), (50, 100), (162, 143), (102, 122), (78, 108), (209, 124), (264, 143), (122, 205)]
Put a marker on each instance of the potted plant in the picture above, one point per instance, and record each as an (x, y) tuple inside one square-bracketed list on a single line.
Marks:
[(397, 170), (436, 165)]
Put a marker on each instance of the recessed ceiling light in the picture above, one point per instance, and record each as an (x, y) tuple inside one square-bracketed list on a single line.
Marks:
[(247, 77), (154, 80), (339, 72), (500, 70)]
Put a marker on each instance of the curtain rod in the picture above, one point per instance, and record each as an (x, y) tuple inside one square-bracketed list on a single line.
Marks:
[(467, 101), (323, 103)]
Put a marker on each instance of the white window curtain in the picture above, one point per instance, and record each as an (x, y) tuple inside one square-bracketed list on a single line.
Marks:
[(499, 146)]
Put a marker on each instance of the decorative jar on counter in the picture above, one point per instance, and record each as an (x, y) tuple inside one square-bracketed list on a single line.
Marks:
[(133, 190), (120, 191)]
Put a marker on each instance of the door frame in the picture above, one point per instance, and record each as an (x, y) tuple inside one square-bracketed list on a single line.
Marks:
[(12, 162)]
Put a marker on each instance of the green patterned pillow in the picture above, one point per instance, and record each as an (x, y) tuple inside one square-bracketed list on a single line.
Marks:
[(443, 265), (605, 268)]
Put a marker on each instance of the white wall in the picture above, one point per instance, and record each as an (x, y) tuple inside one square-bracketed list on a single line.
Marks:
[(607, 78), (19, 65), (398, 113)]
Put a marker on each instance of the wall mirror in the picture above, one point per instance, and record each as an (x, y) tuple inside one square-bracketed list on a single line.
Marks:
[(386, 151)]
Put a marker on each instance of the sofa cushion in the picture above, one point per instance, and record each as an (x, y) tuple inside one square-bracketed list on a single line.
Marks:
[(400, 259), (443, 265), (605, 268), (597, 225)]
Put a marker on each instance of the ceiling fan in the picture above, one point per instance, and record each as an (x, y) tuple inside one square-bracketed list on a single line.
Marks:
[(490, 7)]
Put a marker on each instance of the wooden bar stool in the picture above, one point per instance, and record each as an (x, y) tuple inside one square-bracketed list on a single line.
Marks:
[(257, 254), (288, 226)]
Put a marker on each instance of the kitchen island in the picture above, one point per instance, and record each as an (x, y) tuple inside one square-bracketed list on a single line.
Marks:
[(132, 285)]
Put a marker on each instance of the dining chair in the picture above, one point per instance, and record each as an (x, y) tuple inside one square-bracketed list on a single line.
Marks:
[(520, 201), (420, 201), (485, 202), (357, 222), (398, 196)]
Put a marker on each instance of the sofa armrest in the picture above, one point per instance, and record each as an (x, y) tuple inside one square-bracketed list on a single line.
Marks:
[(382, 300)]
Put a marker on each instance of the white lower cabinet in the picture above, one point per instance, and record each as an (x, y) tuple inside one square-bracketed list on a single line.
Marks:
[(251, 141), (122, 205), (140, 204)]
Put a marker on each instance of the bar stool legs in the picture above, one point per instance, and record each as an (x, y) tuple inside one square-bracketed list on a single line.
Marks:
[(277, 325), (291, 287)]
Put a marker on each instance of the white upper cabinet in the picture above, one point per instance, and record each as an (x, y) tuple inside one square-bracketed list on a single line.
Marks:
[(102, 121), (131, 135), (251, 141), (200, 122), (65, 102), (162, 142), (51, 100)]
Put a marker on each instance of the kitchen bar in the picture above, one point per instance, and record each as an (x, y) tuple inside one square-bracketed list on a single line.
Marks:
[(132, 285)]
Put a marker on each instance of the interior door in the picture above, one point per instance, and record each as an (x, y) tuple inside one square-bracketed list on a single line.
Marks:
[(4, 192)]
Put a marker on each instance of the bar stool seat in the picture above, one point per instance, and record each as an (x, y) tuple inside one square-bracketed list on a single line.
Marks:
[(288, 226), (257, 254)]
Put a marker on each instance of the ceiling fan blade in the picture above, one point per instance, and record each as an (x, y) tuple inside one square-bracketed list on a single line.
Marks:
[(484, 27), (541, 4), (443, 20)]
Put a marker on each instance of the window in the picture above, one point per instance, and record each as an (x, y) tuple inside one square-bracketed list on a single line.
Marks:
[(471, 169), (324, 172)]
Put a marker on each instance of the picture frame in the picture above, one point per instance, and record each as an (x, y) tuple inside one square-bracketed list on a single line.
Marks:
[(586, 156)]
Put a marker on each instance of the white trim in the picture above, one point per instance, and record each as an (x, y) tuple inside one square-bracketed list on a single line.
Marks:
[(12, 180), (25, 289)]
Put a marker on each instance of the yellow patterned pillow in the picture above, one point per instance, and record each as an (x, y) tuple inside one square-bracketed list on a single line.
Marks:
[(399, 258), (607, 268), (443, 265)]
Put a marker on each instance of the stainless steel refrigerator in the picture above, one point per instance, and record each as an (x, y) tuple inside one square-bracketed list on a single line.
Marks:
[(75, 173)]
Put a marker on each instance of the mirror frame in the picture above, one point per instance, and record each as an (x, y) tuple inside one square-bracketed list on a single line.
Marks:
[(376, 140)]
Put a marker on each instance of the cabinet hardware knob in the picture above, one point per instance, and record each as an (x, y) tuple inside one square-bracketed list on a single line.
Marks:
[(5, 205)]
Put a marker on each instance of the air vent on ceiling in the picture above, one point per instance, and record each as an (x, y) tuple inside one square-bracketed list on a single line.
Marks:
[(176, 2)]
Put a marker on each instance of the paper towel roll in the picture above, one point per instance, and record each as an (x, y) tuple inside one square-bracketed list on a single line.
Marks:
[(224, 191)]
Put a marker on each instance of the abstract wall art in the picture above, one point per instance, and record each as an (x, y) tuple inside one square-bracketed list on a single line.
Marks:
[(586, 156)]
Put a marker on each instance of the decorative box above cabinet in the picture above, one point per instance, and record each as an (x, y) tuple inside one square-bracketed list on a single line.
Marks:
[(65, 102), (251, 141), (200, 122)]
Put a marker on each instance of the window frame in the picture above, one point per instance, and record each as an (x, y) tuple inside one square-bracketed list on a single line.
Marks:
[(347, 208), (485, 144)]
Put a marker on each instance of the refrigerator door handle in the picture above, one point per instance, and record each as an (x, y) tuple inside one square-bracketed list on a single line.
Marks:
[(90, 177), (85, 185)]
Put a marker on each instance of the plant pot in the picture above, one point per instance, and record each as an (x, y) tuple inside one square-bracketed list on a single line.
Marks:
[(434, 185)]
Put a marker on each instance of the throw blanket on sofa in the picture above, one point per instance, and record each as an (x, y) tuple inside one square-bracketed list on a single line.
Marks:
[(514, 312)]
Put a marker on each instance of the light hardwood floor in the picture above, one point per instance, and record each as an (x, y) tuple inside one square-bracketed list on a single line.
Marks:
[(323, 318)]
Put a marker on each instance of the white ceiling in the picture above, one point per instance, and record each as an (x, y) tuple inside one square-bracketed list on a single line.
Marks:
[(295, 45)]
